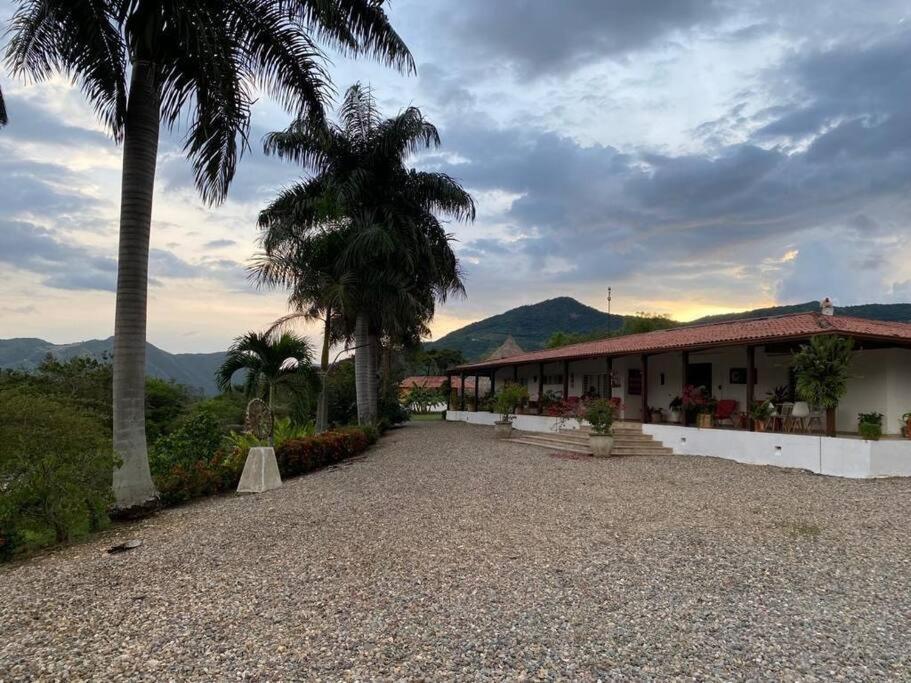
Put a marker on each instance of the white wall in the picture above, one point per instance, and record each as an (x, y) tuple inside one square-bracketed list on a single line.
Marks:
[(880, 382), (840, 457)]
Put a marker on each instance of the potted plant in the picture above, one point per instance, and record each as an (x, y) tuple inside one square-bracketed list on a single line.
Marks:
[(600, 414), (506, 402), (822, 369), (870, 425), (760, 414), (694, 401), (675, 407), (657, 414), (906, 425)]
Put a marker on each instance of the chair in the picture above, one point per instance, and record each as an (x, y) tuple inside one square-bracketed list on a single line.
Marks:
[(797, 420), (817, 416), (724, 411), (781, 416)]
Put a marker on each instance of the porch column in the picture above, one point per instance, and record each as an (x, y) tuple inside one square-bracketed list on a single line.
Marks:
[(515, 374), (493, 382), (540, 388), (610, 377), (751, 384), (643, 365), (565, 380), (685, 358), (462, 392), (477, 384)]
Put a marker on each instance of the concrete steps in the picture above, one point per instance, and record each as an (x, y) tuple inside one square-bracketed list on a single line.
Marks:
[(628, 440)]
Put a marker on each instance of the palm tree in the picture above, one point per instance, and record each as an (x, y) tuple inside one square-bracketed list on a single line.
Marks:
[(270, 361), (199, 61), (3, 118), (319, 290), (822, 370), (397, 249)]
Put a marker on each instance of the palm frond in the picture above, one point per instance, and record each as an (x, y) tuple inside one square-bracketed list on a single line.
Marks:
[(80, 38)]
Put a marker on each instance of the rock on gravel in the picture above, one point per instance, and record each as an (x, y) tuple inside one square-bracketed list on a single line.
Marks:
[(445, 553)]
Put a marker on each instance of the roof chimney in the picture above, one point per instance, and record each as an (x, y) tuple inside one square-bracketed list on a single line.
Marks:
[(828, 308)]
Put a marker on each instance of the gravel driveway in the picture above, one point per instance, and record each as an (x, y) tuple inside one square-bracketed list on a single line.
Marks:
[(446, 554)]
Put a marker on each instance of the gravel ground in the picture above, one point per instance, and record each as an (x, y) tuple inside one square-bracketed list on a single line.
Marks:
[(446, 554)]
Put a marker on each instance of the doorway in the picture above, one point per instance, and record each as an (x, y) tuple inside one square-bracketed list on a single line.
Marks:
[(700, 375)]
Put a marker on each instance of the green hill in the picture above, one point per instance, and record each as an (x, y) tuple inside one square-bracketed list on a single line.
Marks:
[(891, 312), (529, 325), (195, 370)]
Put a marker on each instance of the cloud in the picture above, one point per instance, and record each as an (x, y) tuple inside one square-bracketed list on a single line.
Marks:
[(219, 244), (540, 37), (61, 264)]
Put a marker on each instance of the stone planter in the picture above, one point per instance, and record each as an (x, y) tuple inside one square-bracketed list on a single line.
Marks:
[(675, 416), (502, 429), (601, 444), (260, 471)]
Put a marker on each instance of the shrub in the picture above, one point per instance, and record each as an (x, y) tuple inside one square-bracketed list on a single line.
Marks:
[(55, 471), (509, 399), (299, 456), (188, 463), (601, 414), (870, 425), (195, 440)]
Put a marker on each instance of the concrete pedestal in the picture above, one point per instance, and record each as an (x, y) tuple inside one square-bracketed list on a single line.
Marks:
[(260, 472)]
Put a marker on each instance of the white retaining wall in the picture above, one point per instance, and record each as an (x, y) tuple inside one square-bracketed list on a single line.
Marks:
[(527, 423), (840, 457)]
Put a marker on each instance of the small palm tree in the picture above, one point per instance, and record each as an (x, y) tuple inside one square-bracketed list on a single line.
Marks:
[(270, 361), (821, 370), (319, 289), (396, 247), (200, 61), (3, 118)]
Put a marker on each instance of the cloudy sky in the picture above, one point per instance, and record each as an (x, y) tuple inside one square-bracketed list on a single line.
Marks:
[(696, 156)]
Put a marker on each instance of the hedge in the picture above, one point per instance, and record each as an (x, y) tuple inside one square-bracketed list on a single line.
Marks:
[(221, 472)]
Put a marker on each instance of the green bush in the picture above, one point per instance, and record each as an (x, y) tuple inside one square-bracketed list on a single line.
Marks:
[(600, 414), (300, 456), (870, 425), (510, 398), (55, 471), (195, 440)]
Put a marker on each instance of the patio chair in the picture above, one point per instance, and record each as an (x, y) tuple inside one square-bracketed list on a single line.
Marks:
[(779, 419), (797, 420), (725, 410)]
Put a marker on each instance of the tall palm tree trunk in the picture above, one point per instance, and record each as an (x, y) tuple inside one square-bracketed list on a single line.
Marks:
[(322, 402), (362, 367), (133, 486), (373, 378)]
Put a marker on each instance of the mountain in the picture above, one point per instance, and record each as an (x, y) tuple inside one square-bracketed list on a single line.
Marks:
[(532, 325), (891, 312), (195, 370), (529, 325)]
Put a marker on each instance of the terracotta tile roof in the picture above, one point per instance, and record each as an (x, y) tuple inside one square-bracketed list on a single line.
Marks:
[(428, 381), (433, 382), (753, 330)]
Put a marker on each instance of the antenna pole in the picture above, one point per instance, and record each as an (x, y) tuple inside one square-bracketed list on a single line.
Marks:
[(608, 311)]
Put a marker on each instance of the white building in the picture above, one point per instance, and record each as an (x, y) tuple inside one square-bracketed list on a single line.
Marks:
[(739, 361)]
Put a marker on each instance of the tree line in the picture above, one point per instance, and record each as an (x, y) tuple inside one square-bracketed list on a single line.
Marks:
[(359, 243)]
